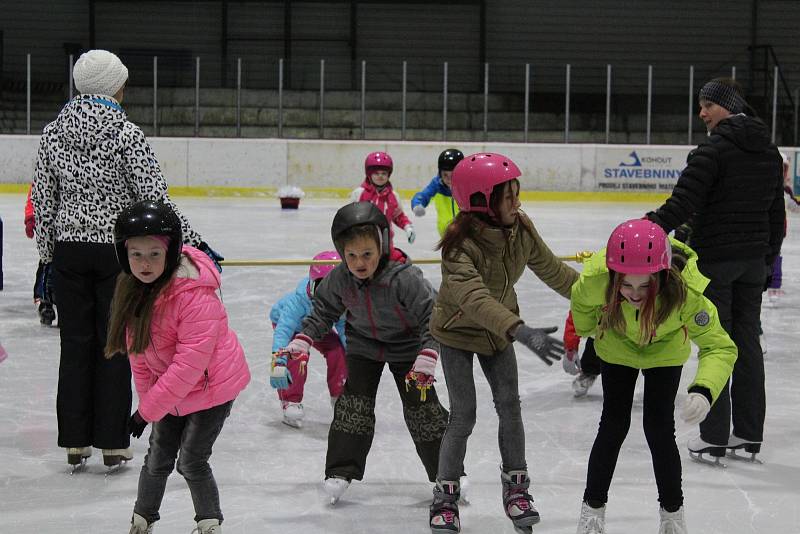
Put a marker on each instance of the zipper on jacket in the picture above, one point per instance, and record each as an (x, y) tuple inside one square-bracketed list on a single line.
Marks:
[(505, 275), (205, 380), (452, 319)]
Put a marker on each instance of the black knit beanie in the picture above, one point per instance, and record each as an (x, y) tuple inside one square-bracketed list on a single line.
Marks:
[(723, 95)]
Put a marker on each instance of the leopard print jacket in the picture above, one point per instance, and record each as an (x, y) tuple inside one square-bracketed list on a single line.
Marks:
[(92, 163)]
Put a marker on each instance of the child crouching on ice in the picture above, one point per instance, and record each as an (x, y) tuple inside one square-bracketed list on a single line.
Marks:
[(388, 306), (187, 363), (643, 305)]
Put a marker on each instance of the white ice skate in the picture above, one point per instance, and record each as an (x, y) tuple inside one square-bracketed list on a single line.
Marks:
[(333, 403), (592, 520), (139, 525), (582, 383), (293, 414), (76, 457), (335, 487), (735, 444), (208, 526), (699, 448), (672, 522), (114, 459)]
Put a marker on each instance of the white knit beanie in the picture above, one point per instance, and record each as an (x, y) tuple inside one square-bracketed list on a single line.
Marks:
[(99, 72)]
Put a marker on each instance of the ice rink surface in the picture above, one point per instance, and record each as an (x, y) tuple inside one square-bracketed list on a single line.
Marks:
[(270, 474)]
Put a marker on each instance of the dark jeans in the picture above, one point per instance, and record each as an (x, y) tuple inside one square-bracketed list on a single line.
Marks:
[(94, 393), (660, 387), (591, 364), (735, 290), (353, 426), (500, 370), (194, 436)]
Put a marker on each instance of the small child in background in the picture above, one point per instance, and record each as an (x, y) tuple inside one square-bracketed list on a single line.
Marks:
[(775, 280), (43, 293), (388, 306), (439, 191), (377, 189), (187, 364), (588, 367), (288, 375), (642, 299)]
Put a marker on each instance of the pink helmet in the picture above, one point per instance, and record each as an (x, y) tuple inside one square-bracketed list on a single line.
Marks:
[(638, 246), (381, 160), (319, 271), (479, 173)]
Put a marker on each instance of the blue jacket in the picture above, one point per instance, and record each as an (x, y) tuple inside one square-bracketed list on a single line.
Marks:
[(446, 208), (435, 187), (288, 313)]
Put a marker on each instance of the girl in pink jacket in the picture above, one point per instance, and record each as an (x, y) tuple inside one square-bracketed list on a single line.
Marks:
[(187, 364)]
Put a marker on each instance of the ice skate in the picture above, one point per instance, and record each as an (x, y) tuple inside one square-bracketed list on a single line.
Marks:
[(517, 502), (292, 414), (76, 457), (592, 520), (672, 522), (737, 444), (335, 488), (114, 459), (333, 403), (139, 525), (46, 313), (444, 509), (699, 448), (762, 341), (208, 526), (582, 383)]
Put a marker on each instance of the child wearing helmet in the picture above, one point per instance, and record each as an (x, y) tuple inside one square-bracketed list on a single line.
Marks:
[(438, 191), (43, 291), (642, 300), (187, 364), (485, 251), (378, 190), (387, 305), (288, 374)]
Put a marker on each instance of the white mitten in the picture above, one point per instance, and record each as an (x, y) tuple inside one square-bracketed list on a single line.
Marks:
[(696, 408), (410, 233), (419, 210), (301, 344), (571, 362)]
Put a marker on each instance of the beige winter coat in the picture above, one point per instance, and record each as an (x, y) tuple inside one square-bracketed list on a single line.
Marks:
[(477, 304)]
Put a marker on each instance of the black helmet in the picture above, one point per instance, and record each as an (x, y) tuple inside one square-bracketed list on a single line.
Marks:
[(449, 159), (148, 217), (356, 214)]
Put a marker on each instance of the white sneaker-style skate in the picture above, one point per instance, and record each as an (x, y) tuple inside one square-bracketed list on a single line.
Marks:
[(76, 457), (139, 525), (335, 487), (333, 403), (114, 459), (582, 383), (592, 520), (736, 443), (672, 522), (208, 526), (444, 509), (699, 448), (292, 414)]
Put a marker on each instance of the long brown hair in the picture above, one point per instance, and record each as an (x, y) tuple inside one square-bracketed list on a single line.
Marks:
[(132, 311), (463, 226), (667, 284)]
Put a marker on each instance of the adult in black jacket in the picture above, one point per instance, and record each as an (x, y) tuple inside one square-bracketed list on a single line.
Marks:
[(732, 190)]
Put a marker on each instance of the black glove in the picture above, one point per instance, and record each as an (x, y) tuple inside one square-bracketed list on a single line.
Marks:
[(215, 256), (136, 425), (550, 349)]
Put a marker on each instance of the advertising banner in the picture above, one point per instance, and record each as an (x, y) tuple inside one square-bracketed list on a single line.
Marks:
[(646, 169)]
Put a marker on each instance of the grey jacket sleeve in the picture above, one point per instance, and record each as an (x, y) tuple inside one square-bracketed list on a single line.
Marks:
[(327, 305), (417, 296), (45, 199)]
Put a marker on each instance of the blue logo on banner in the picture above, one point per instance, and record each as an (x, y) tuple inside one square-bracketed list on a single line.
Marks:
[(636, 162)]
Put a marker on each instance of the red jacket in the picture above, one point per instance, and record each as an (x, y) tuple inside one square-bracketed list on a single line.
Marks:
[(387, 201)]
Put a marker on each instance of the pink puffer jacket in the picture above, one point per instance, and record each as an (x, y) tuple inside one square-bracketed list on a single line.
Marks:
[(194, 361)]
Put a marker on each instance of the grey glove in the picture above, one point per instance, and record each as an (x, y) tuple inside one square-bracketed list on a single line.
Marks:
[(550, 349)]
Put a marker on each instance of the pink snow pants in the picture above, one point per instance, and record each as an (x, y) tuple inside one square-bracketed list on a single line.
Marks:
[(331, 348)]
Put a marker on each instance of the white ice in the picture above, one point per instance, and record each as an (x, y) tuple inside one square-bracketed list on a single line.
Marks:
[(270, 475)]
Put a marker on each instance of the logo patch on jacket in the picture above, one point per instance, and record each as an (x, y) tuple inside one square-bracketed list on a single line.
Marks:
[(701, 318)]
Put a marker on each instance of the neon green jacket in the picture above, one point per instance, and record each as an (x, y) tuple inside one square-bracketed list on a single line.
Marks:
[(696, 320)]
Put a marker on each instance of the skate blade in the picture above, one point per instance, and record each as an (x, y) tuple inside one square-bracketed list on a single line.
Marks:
[(333, 500), (113, 465), (701, 459), (294, 423), (740, 458), (523, 530), (78, 467), (526, 522)]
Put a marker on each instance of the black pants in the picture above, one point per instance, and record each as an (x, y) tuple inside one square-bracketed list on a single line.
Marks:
[(353, 426), (735, 290), (660, 387), (94, 393), (591, 364)]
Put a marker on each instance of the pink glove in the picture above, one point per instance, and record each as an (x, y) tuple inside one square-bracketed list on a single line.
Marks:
[(30, 224), (301, 344), (422, 372)]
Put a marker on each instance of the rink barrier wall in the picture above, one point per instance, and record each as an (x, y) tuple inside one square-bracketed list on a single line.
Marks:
[(258, 167)]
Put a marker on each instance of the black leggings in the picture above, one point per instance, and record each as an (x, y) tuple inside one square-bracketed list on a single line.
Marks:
[(660, 387)]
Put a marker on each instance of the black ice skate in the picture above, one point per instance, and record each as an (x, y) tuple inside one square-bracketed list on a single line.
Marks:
[(76, 457), (444, 510), (46, 313), (699, 448), (737, 444), (517, 502), (115, 459)]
